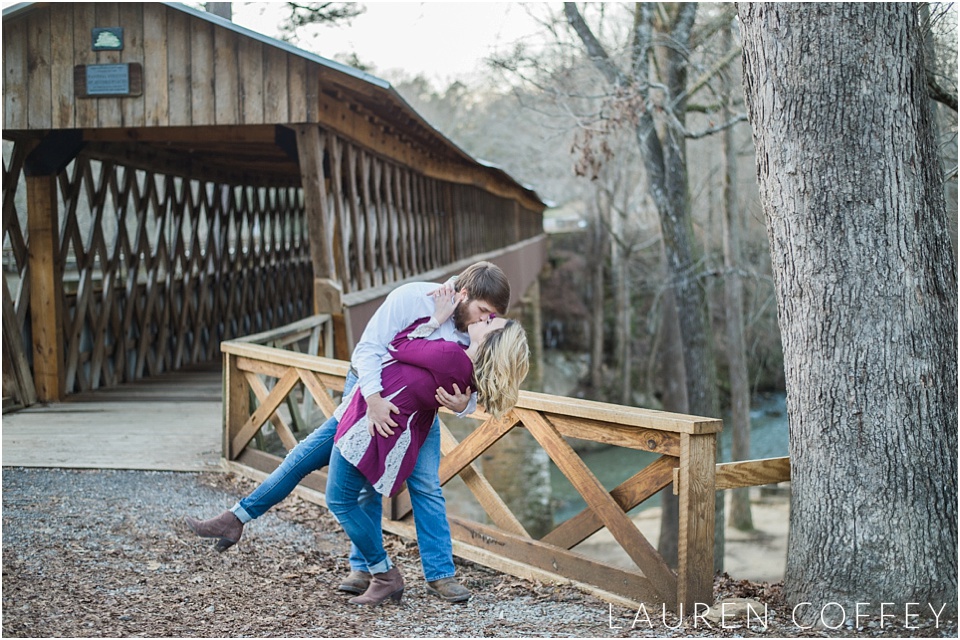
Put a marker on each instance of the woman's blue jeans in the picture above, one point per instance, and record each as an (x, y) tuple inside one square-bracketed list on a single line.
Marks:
[(344, 485), (426, 496)]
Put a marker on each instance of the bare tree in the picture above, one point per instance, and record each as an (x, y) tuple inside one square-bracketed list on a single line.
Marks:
[(940, 69), (867, 299), (661, 43), (740, 515)]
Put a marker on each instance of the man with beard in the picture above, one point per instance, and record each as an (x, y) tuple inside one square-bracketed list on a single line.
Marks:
[(482, 290)]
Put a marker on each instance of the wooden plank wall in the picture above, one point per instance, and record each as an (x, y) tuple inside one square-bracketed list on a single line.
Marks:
[(198, 73), (195, 72)]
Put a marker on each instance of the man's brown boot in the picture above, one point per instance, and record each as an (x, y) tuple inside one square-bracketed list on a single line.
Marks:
[(357, 582), (226, 527), (388, 584), (448, 589)]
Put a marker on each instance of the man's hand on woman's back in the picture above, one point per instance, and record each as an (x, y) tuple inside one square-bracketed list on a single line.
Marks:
[(456, 401)]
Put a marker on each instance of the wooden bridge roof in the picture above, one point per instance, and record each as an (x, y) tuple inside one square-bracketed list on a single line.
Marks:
[(208, 98)]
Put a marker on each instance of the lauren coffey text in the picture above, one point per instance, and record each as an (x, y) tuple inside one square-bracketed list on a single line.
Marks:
[(832, 615)]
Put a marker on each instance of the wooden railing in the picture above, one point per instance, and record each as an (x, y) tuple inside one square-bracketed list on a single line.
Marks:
[(687, 460)]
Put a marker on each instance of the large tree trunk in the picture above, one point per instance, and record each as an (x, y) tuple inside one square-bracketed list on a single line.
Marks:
[(867, 300)]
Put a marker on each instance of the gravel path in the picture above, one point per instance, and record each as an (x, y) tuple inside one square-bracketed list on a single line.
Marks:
[(105, 554)]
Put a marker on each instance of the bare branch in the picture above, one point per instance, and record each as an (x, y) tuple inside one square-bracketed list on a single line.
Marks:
[(708, 29), (302, 14), (711, 107), (598, 55), (699, 83), (642, 41), (940, 94), (740, 117)]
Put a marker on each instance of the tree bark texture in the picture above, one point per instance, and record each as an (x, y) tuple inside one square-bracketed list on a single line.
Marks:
[(666, 163), (867, 300), (620, 268)]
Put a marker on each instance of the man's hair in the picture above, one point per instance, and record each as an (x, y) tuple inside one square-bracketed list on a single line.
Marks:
[(501, 364), (486, 281)]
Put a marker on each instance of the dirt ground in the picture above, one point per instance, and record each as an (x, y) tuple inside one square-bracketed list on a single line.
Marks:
[(105, 554)]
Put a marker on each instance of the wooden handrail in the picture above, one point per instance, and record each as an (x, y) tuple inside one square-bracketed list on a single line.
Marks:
[(288, 332), (752, 473), (591, 410), (746, 473), (618, 414), (285, 358)]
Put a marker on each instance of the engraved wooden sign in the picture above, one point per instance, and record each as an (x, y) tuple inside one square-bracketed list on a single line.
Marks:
[(108, 80)]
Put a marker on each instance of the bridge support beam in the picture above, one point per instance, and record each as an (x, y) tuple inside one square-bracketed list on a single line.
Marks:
[(321, 229), (46, 288), (328, 298)]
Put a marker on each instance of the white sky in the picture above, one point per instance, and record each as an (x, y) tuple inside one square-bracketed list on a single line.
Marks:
[(442, 40)]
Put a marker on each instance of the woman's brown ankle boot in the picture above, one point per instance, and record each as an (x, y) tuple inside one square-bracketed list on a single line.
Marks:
[(226, 527), (388, 584)]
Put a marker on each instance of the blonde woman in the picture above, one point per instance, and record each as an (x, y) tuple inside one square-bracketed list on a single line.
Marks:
[(495, 364)]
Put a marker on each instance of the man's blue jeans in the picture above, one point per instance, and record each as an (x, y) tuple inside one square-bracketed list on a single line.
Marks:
[(426, 497)]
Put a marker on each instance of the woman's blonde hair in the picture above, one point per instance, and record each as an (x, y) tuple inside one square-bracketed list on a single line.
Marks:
[(501, 363)]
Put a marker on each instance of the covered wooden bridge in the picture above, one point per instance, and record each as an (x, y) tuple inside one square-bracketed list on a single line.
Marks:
[(178, 190), (175, 180)]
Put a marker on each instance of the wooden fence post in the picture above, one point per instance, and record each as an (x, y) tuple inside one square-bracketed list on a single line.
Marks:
[(236, 404), (696, 475)]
